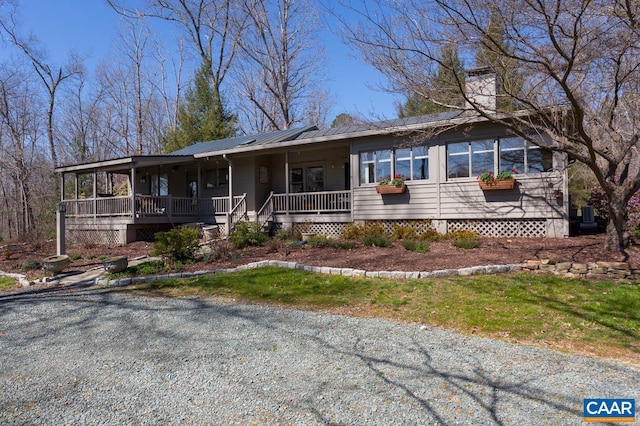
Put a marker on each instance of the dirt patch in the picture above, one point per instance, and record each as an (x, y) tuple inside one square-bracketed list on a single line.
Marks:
[(442, 255)]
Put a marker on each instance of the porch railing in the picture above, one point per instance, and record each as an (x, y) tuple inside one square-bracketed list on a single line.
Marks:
[(313, 202), (148, 205)]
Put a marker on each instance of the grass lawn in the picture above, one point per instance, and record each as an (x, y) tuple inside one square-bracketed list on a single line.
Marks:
[(596, 318), (7, 283)]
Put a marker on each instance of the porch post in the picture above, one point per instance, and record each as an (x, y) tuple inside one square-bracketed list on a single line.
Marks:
[(286, 181), (95, 193), (228, 218), (77, 195), (132, 190), (61, 186)]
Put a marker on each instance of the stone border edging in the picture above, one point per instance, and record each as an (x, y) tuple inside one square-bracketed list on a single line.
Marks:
[(599, 270), (347, 272)]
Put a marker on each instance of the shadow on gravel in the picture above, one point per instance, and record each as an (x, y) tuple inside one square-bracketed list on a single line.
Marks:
[(425, 378)]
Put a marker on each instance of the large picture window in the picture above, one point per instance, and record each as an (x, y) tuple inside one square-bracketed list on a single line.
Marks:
[(472, 158), (412, 163)]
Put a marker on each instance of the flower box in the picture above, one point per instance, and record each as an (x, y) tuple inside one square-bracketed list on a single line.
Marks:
[(391, 189), (497, 184)]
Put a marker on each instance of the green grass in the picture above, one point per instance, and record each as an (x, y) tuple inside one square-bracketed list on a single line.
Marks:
[(7, 283), (582, 316)]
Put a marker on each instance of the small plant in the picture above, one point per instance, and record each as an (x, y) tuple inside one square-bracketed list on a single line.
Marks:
[(283, 235), (247, 234), (177, 244), (352, 231), (403, 232), (388, 180), (31, 265), (345, 245), (416, 245), (464, 239), (489, 178), (377, 240), (318, 241), (223, 250), (75, 256), (431, 235)]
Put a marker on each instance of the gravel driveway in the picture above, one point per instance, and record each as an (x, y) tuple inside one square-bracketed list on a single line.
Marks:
[(91, 356)]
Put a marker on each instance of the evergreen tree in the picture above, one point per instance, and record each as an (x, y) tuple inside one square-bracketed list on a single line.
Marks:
[(201, 117), (447, 84)]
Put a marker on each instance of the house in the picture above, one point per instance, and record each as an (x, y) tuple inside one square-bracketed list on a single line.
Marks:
[(324, 179)]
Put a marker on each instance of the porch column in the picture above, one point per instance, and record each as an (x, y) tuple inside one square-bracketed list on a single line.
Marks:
[(77, 195), (95, 193), (61, 186), (198, 179), (286, 181), (132, 190)]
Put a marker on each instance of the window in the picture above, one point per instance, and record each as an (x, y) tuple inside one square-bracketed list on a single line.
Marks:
[(217, 177), (296, 180), (465, 159), (523, 156), (160, 185), (315, 179), (310, 179), (458, 160), (412, 163)]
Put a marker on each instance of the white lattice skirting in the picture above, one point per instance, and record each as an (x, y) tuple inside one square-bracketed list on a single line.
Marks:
[(90, 237), (501, 227), (330, 229)]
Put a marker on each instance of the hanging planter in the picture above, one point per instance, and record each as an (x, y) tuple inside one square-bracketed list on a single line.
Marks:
[(496, 185), (56, 264), (391, 189)]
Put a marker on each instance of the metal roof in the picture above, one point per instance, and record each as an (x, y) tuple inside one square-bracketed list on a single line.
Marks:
[(381, 125), (249, 140)]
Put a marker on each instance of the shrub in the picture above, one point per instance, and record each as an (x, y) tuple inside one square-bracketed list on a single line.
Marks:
[(222, 250), (416, 245), (353, 231), (279, 246), (600, 203), (464, 239), (31, 265), (75, 256), (347, 245), (247, 234), (283, 234), (431, 235), (318, 241), (403, 232), (177, 244), (377, 240)]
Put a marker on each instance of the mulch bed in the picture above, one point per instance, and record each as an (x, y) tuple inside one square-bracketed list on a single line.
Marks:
[(442, 255)]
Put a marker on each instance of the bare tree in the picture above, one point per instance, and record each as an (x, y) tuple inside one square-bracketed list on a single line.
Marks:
[(278, 74), (51, 77), (578, 61), (213, 28), (19, 133)]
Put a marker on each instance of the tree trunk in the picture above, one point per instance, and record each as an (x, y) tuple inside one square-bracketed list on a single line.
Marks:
[(617, 238)]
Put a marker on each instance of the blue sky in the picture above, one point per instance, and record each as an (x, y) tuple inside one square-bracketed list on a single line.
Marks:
[(89, 28)]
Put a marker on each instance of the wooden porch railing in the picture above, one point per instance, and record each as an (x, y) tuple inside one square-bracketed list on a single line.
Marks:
[(312, 202), (147, 205)]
